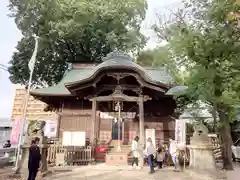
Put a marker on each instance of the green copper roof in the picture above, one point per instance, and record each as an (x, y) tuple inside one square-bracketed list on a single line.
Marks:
[(177, 91), (112, 61), (156, 76), (60, 89), (81, 74)]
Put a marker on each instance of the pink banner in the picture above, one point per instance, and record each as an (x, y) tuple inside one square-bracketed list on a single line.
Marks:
[(15, 130)]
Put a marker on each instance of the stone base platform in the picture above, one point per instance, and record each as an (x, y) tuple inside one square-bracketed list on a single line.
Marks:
[(116, 159)]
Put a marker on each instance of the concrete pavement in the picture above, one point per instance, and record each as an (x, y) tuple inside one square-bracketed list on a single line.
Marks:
[(234, 175), (103, 172)]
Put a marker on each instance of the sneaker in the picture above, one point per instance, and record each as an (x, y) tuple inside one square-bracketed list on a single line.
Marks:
[(138, 167)]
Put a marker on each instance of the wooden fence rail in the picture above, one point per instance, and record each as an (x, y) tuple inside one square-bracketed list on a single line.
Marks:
[(70, 155), (78, 155)]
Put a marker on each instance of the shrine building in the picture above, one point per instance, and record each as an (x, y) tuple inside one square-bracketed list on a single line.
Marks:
[(113, 101)]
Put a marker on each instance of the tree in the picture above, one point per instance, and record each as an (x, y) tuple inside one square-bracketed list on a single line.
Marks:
[(209, 45), (72, 31), (162, 57)]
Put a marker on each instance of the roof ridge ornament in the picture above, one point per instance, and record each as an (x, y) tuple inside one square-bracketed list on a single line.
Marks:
[(117, 54)]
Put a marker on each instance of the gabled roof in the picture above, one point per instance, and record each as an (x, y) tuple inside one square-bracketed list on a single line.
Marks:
[(112, 61)]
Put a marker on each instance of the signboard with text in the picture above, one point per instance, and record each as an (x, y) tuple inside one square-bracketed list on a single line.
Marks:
[(74, 138)]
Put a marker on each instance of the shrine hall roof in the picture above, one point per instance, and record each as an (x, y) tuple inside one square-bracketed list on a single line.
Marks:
[(155, 76)]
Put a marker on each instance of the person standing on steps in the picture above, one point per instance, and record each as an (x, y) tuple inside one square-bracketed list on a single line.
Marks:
[(34, 159), (135, 152), (150, 152)]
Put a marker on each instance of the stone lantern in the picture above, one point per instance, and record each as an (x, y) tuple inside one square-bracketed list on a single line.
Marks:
[(201, 149)]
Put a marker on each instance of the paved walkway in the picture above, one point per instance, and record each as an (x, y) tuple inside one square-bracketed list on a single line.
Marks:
[(234, 175), (103, 172)]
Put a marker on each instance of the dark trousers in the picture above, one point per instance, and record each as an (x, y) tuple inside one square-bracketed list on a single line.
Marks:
[(151, 162), (32, 174), (160, 163), (135, 161)]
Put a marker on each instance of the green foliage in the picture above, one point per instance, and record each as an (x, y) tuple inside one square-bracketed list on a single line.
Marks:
[(209, 42), (73, 31), (162, 57), (209, 45)]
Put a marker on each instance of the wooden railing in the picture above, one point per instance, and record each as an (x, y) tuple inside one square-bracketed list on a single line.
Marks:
[(53, 150), (69, 155), (79, 155)]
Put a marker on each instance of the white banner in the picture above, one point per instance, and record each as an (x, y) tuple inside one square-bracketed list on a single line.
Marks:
[(150, 133), (67, 139), (78, 138), (74, 138), (180, 131)]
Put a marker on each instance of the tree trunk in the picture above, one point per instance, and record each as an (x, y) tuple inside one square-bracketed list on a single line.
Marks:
[(214, 113), (225, 133)]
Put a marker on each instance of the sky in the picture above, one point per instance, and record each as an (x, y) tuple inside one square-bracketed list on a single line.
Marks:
[(10, 35)]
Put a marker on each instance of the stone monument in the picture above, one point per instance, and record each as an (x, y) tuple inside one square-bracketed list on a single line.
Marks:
[(35, 130), (201, 149)]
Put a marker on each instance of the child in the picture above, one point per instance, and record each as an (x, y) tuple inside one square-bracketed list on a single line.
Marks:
[(160, 157)]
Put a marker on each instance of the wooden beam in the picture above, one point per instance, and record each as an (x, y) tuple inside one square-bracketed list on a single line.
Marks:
[(141, 125), (141, 118), (111, 87), (122, 97)]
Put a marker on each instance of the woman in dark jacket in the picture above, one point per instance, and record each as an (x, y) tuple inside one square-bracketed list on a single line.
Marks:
[(34, 159)]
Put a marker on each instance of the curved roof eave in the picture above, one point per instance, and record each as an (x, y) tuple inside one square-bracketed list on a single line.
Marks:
[(142, 72)]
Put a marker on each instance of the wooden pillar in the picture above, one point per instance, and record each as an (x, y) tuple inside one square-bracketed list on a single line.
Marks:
[(94, 111), (141, 129), (141, 120)]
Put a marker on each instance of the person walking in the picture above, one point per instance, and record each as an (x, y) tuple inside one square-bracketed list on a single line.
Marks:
[(173, 152), (160, 157), (135, 152), (34, 159), (150, 152)]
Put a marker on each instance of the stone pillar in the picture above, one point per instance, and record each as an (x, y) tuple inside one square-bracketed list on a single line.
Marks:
[(94, 110), (23, 167), (141, 129)]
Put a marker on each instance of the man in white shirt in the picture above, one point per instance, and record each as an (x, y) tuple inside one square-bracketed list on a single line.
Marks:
[(150, 152)]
